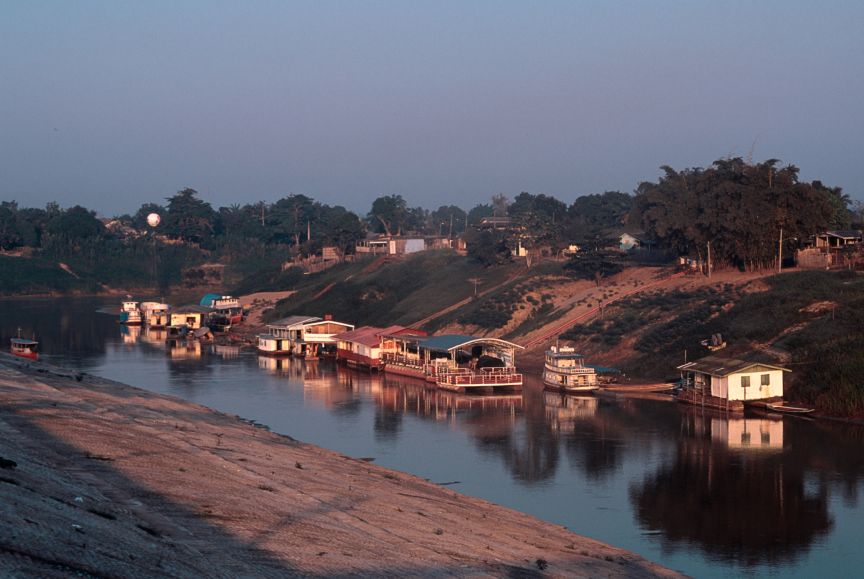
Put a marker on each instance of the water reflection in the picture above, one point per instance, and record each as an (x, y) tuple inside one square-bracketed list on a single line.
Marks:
[(724, 494), (747, 490)]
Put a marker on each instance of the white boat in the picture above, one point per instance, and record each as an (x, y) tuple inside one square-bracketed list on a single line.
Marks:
[(130, 314), (565, 370)]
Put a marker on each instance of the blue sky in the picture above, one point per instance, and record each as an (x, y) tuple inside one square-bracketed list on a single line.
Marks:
[(112, 104)]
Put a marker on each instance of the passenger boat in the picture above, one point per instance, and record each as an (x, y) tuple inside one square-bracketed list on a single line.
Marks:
[(565, 370), (24, 348), (227, 306), (130, 314)]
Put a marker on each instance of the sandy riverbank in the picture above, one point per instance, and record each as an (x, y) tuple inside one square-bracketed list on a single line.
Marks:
[(101, 479)]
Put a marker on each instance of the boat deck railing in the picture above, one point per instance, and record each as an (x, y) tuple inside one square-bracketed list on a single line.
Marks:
[(570, 369), (485, 377)]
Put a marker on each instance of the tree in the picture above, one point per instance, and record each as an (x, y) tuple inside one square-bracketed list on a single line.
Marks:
[(500, 203), (736, 206), (595, 264), (540, 216), (478, 212), (486, 247), (388, 215), (447, 220), (10, 237), (189, 218), (597, 214)]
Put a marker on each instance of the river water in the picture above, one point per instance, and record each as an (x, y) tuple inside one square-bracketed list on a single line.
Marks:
[(691, 489)]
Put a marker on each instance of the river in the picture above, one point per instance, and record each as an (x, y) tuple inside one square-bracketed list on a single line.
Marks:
[(691, 489)]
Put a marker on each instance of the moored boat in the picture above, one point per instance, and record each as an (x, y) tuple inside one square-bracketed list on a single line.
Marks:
[(130, 314), (565, 370), (155, 314), (24, 348), (782, 407)]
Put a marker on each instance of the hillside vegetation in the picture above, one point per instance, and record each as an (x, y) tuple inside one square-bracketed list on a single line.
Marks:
[(403, 292), (811, 321)]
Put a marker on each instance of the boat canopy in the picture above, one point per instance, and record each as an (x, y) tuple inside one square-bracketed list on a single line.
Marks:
[(209, 299), (291, 321), (722, 367), (452, 342)]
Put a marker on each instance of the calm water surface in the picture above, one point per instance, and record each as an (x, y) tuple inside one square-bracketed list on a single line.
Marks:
[(690, 489)]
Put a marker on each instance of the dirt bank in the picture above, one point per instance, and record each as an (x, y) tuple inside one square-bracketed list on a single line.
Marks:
[(102, 479)]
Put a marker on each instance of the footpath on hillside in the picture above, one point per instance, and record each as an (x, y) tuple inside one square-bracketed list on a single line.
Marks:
[(101, 479)]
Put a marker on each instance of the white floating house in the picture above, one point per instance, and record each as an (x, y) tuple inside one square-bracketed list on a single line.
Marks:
[(282, 333), (727, 382)]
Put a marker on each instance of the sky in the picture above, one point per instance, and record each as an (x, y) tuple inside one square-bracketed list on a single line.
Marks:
[(113, 104)]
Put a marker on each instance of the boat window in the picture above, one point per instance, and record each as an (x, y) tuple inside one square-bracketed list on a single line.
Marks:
[(766, 379), (745, 381)]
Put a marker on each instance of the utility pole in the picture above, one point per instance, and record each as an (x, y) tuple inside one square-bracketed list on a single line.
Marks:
[(709, 260), (476, 281), (780, 253)]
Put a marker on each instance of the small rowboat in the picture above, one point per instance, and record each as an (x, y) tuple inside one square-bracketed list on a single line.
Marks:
[(789, 409)]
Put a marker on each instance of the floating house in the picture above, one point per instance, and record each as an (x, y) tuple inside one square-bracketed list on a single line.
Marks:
[(192, 316), (317, 338), (453, 362), (282, 333), (155, 314), (727, 383), (362, 347)]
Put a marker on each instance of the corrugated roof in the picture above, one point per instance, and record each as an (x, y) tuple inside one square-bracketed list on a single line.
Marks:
[(845, 233), (191, 308), (452, 341), (293, 321), (366, 335), (721, 367)]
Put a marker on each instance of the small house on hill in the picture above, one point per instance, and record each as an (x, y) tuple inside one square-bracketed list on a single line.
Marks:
[(727, 383), (834, 240)]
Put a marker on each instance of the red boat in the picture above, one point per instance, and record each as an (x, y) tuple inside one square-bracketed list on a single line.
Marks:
[(25, 348)]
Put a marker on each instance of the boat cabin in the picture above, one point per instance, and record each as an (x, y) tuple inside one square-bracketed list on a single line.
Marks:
[(130, 314), (728, 382), (318, 338), (155, 314), (24, 348), (224, 306), (363, 346), (281, 334), (566, 370), (193, 317)]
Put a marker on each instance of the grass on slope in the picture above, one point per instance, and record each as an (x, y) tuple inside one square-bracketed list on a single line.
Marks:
[(815, 316), (400, 292)]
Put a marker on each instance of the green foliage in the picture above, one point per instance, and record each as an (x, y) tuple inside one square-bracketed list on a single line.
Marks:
[(738, 207), (487, 247), (595, 264), (38, 276), (388, 215), (592, 216), (189, 218)]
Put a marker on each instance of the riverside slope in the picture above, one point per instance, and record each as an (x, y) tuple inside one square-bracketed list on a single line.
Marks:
[(101, 479)]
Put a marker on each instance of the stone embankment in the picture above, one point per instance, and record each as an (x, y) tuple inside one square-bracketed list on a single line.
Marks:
[(102, 479)]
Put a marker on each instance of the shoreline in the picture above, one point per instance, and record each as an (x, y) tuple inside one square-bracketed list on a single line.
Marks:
[(105, 479)]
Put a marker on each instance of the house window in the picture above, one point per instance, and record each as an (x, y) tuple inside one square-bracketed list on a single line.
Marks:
[(766, 379), (745, 381)]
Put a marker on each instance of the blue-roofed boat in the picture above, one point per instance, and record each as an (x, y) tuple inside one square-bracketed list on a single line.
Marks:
[(565, 370), (454, 362)]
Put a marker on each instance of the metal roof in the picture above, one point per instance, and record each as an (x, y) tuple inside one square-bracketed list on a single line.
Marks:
[(844, 234), (449, 342), (191, 309), (293, 321), (367, 335), (722, 367)]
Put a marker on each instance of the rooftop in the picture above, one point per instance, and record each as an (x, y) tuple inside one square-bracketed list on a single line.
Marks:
[(721, 367)]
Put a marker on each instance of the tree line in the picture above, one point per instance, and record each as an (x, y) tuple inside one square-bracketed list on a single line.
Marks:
[(738, 207)]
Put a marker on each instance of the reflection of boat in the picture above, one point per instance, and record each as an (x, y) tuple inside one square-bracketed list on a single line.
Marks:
[(781, 407), (639, 387), (565, 369), (24, 348)]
